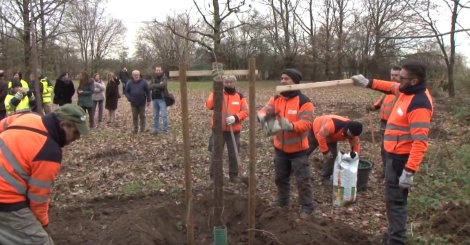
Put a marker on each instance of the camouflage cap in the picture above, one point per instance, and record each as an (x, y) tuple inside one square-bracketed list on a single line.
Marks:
[(76, 115)]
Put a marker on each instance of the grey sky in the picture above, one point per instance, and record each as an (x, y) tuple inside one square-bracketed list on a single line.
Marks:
[(137, 11)]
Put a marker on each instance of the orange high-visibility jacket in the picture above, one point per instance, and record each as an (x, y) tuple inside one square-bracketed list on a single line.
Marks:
[(330, 129), (237, 106), (31, 154), (8, 120), (385, 103), (406, 134), (299, 110)]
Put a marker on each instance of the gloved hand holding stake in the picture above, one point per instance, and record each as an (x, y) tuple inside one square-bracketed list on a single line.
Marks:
[(360, 80), (285, 124), (230, 120), (406, 180)]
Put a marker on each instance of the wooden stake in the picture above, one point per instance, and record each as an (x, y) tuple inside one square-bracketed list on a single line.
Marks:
[(187, 160), (284, 88), (252, 142), (217, 153)]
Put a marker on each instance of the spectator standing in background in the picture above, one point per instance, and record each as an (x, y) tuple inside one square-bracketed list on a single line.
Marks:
[(85, 90), (98, 97), (137, 92), (112, 97), (124, 77), (63, 90), (3, 94)]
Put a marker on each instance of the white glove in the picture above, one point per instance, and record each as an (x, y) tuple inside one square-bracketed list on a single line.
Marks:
[(285, 124), (406, 180), (32, 97), (261, 118), (272, 127), (19, 95), (230, 120), (360, 80)]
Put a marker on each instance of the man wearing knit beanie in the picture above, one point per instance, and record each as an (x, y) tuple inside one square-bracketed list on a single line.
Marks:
[(327, 131), (293, 114), (293, 74)]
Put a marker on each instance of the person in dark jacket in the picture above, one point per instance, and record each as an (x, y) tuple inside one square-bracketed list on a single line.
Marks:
[(3, 94), (63, 90), (124, 77), (159, 92), (138, 94), (112, 97)]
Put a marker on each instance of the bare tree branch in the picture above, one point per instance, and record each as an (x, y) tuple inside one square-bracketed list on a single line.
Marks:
[(428, 36)]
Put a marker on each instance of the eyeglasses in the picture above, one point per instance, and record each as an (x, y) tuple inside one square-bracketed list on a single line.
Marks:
[(406, 78)]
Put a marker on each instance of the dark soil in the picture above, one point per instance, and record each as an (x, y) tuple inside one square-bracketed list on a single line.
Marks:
[(160, 219), (453, 220)]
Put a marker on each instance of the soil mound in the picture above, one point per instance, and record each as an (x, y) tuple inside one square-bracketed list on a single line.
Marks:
[(165, 224)]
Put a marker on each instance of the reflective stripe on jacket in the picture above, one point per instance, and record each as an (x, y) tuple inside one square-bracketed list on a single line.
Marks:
[(386, 103), (47, 91), (299, 110), (330, 129), (237, 106), (22, 106), (406, 133), (27, 174)]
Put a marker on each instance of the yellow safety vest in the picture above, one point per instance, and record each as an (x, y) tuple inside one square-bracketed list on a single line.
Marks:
[(47, 91), (22, 106), (24, 84)]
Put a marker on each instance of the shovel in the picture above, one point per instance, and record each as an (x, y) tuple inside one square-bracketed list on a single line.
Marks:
[(243, 178)]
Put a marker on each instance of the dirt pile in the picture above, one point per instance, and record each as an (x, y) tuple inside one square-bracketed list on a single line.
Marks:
[(453, 219), (165, 224)]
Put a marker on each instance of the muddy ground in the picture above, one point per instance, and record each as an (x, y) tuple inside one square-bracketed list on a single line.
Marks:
[(146, 220)]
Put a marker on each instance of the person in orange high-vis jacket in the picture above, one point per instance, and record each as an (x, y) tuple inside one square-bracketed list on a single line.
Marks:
[(326, 132), (237, 107), (405, 140), (385, 103), (295, 113), (27, 174)]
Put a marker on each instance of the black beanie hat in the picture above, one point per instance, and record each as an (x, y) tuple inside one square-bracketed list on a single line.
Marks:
[(354, 127), (294, 74), (15, 82)]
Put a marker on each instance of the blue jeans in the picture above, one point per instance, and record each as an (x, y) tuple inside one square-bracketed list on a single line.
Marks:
[(159, 105)]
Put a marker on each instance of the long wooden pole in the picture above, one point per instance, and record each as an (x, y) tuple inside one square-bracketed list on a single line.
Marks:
[(217, 152), (283, 88), (187, 159), (252, 141)]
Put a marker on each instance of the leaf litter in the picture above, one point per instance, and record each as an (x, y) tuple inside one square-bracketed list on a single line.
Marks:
[(116, 187)]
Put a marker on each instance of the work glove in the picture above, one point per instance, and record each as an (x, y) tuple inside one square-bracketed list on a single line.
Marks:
[(230, 120), (29, 93), (271, 127), (261, 118), (19, 95), (370, 108), (360, 80), (353, 154), (32, 97), (285, 124), (406, 180), (327, 156)]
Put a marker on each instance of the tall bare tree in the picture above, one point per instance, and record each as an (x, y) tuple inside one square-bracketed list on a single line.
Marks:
[(94, 30), (211, 28), (427, 15)]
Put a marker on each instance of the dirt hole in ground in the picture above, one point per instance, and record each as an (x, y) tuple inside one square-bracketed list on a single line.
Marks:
[(453, 219), (108, 153), (165, 224), (140, 222)]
